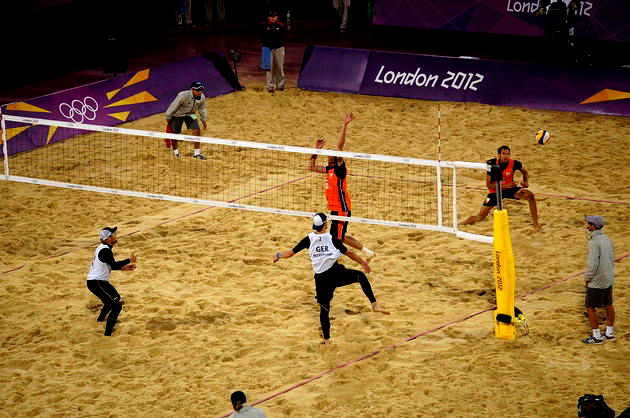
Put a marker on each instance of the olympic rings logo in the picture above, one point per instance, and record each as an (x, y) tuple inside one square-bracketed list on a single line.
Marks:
[(78, 110)]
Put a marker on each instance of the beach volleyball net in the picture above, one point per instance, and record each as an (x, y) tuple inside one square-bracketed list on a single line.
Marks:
[(384, 190)]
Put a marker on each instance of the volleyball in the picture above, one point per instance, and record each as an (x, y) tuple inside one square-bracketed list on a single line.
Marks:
[(542, 137)]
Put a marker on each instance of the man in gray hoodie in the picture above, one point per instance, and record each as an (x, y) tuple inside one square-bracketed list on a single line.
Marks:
[(599, 279)]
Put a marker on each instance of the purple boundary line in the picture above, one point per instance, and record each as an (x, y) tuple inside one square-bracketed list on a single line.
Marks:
[(429, 331)]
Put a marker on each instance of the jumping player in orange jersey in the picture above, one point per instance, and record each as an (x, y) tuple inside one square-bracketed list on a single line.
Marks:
[(509, 189), (337, 189)]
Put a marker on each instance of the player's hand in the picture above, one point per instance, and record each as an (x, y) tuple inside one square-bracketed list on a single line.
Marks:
[(525, 183), (129, 267), (133, 258), (205, 125), (366, 267), (319, 144), (349, 118), (508, 185)]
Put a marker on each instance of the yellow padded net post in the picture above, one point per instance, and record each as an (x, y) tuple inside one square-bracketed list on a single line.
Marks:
[(504, 277)]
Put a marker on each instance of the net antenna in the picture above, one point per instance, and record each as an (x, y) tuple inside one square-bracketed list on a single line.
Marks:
[(272, 178), (439, 133), (439, 174)]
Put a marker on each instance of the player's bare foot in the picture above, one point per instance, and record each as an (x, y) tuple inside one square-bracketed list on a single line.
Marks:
[(327, 342), (538, 228), (378, 308)]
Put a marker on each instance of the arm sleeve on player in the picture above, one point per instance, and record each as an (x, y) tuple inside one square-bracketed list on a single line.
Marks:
[(339, 245), (341, 171), (302, 245), (107, 256)]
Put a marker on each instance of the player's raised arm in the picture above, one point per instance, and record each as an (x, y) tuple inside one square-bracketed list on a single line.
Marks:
[(342, 136), (319, 144)]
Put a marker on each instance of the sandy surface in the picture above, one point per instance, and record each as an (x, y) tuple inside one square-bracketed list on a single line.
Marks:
[(206, 312)]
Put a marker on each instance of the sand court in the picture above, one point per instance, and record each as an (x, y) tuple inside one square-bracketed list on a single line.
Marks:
[(207, 312)]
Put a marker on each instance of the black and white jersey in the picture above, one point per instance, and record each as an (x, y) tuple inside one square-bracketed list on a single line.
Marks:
[(323, 249), (103, 263), (99, 270)]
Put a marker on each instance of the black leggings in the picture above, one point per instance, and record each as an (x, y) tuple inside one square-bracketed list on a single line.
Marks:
[(111, 302), (325, 285)]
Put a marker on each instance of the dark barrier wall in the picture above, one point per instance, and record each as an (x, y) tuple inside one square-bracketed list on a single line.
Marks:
[(466, 80), (114, 101), (605, 20)]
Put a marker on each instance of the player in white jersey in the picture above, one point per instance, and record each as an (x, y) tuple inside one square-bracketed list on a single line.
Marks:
[(324, 251), (98, 277)]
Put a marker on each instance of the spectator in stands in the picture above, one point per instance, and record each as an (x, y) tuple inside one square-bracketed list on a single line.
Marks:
[(272, 35), (343, 10), (183, 109), (184, 13), (214, 11), (560, 20), (241, 409)]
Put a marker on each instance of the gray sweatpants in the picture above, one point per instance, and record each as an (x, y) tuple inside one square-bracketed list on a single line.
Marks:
[(275, 76)]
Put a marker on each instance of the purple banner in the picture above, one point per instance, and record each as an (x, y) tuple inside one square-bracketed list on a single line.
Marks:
[(114, 101), (470, 80), (596, 19)]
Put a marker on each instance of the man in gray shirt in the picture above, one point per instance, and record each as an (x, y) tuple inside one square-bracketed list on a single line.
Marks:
[(599, 279), (183, 109)]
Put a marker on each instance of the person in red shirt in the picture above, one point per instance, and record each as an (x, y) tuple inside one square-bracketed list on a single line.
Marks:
[(337, 195), (509, 189)]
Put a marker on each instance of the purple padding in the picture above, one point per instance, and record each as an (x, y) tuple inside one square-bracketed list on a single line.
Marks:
[(332, 69), (114, 101), (470, 80), (596, 19)]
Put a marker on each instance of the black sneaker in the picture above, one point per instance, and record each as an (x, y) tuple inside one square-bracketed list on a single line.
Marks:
[(593, 340), (609, 337), (199, 157)]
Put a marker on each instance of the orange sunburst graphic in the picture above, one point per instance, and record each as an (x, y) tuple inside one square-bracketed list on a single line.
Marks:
[(137, 78), (607, 95), (141, 97), (122, 116), (51, 132), (11, 132), (25, 107)]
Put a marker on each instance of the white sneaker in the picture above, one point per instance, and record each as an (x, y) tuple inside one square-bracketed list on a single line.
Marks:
[(593, 340)]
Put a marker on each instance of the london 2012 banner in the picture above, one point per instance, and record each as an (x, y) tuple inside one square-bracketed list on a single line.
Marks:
[(425, 77), (605, 20)]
